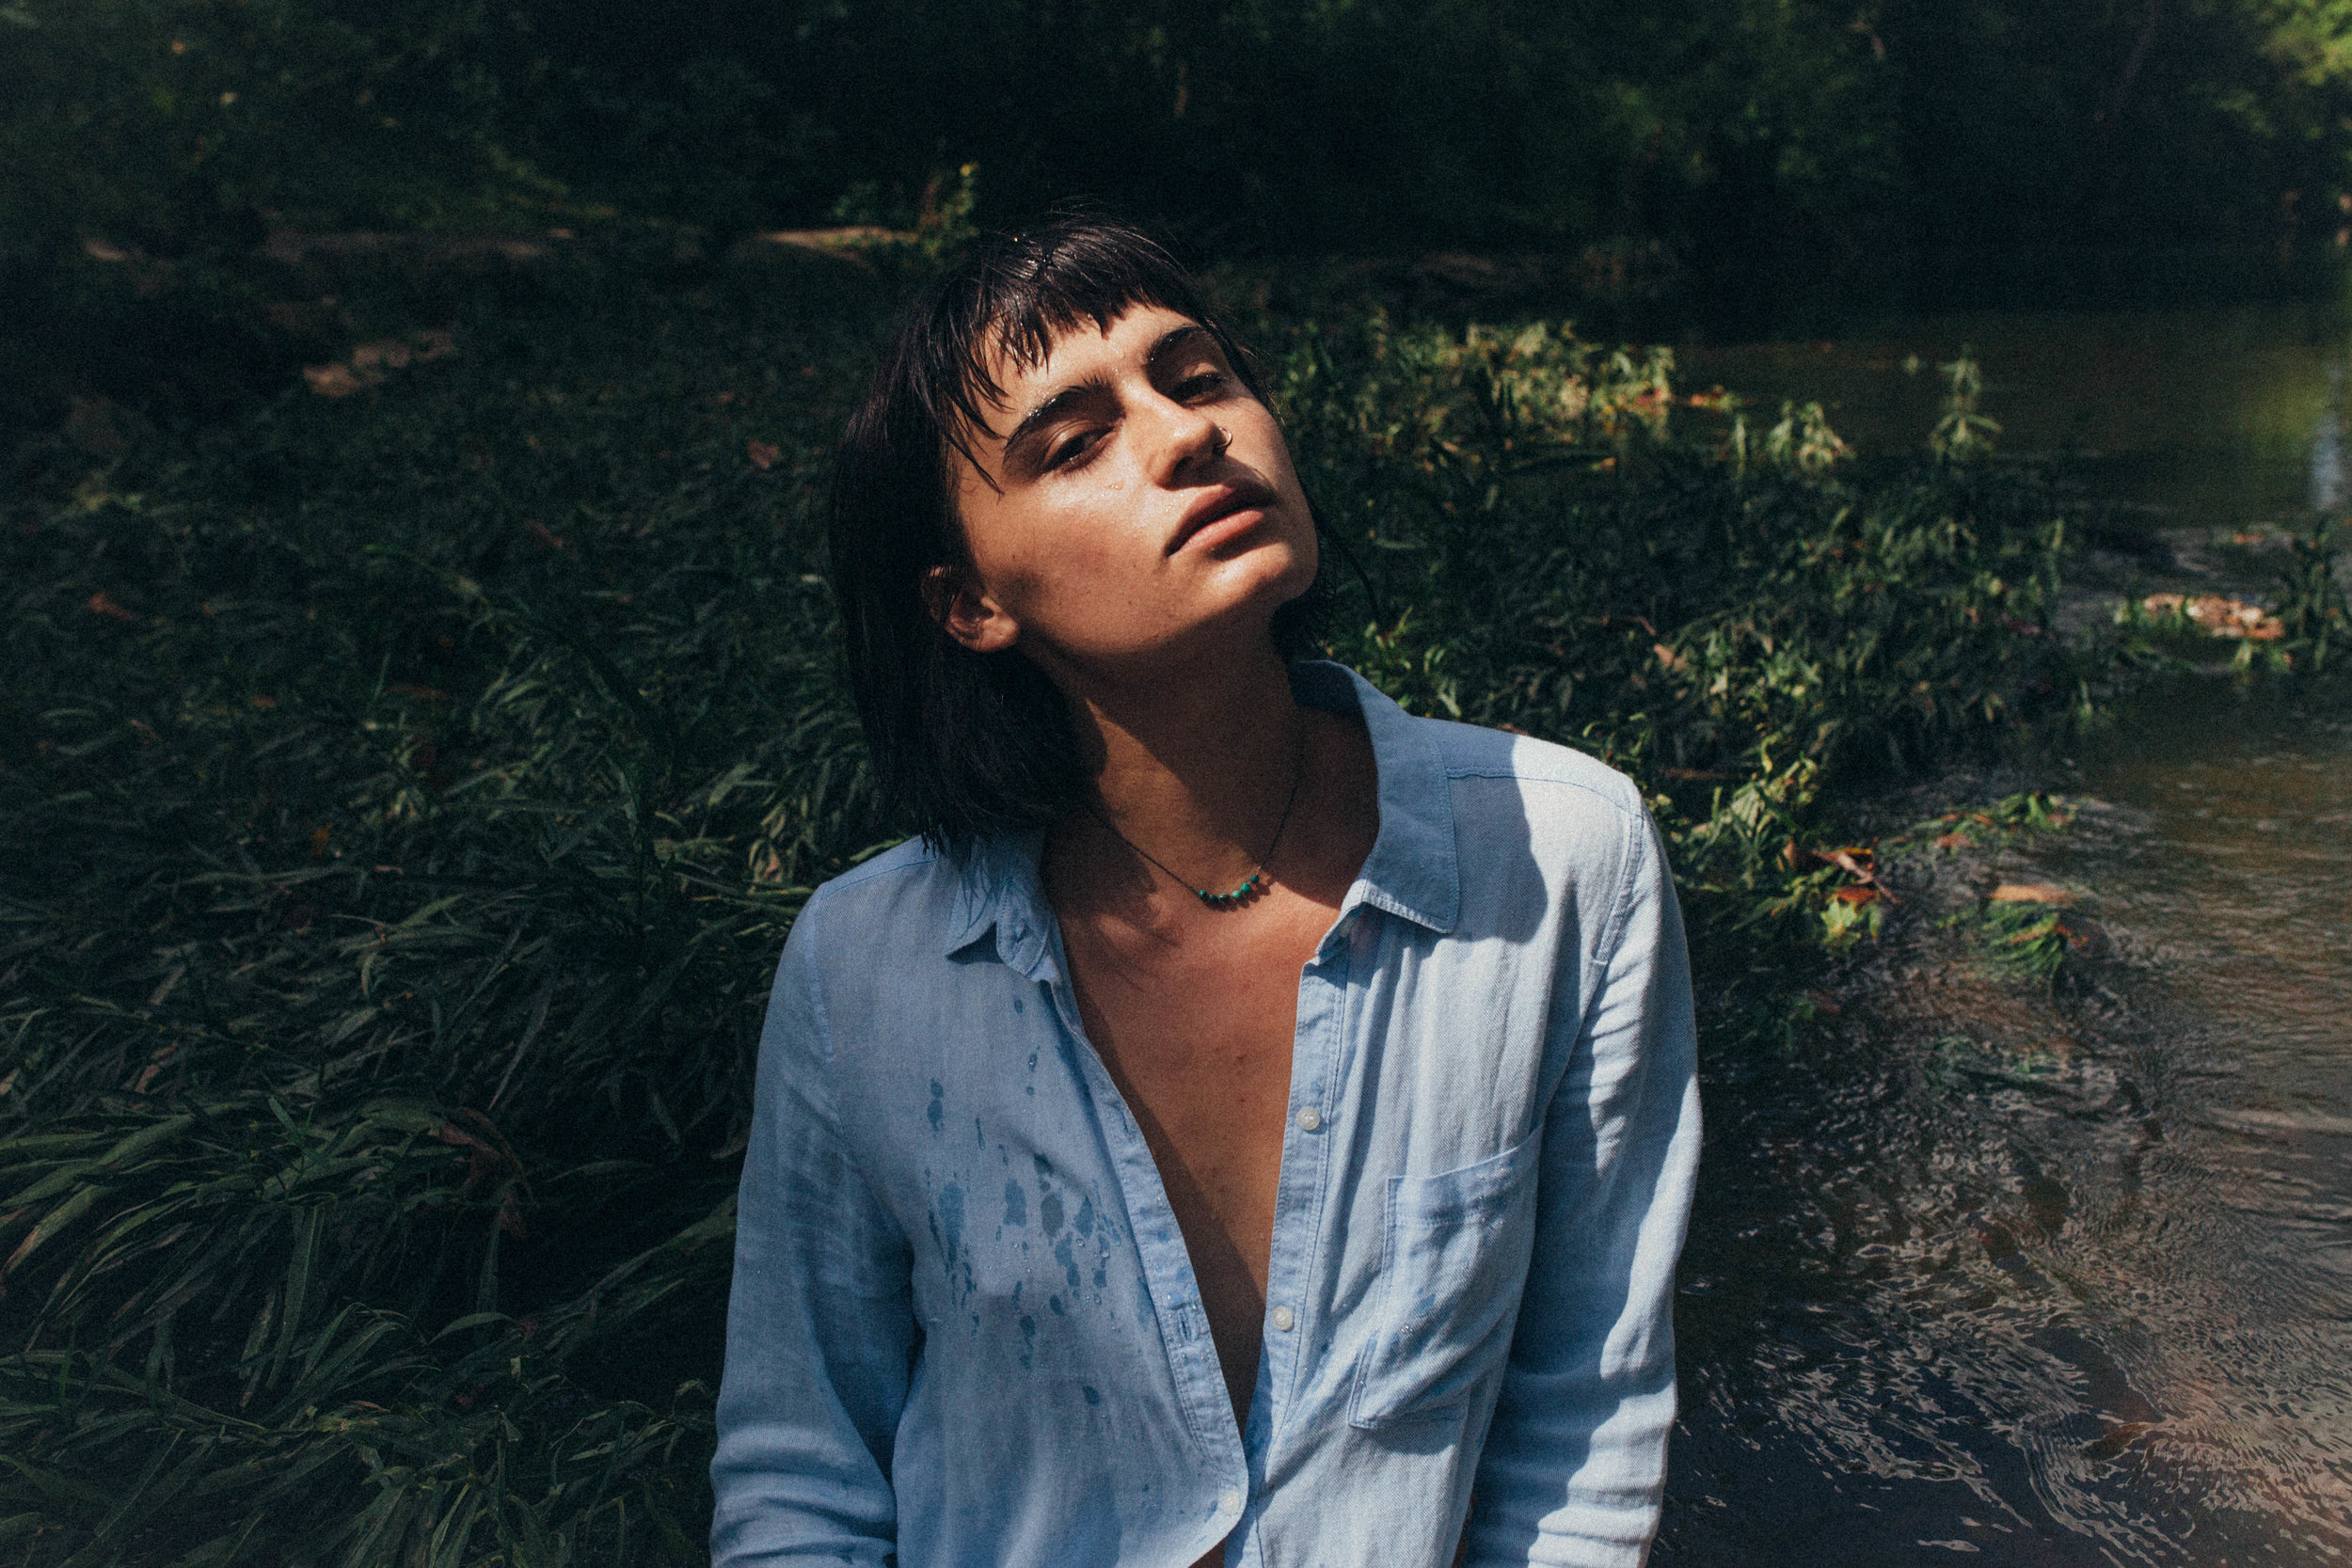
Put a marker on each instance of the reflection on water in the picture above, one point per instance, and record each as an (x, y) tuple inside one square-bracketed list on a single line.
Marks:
[(2208, 414), (2057, 1279), (2328, 447)]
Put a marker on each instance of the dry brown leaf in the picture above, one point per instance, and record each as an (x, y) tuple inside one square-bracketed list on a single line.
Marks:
[(102, 603), (1851, 861), (2031, 892), (2219, 615), (331, 381), (382, 352), (155, 1067), (762, 453)]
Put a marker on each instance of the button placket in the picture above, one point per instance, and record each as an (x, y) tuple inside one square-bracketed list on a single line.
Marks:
[(1299, 1213), (1200, 1383)]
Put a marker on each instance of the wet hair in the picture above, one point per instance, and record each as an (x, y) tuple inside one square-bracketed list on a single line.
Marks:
[(966, 744)]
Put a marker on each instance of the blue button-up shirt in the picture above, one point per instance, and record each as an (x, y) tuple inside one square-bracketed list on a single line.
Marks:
[(964, 1332)]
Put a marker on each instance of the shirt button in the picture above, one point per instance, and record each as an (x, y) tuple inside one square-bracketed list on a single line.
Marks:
[(1284, 1319), (1309, 1118), (1228, 1503)]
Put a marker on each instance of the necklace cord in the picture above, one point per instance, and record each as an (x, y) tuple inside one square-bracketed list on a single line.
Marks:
[(1226, 900)]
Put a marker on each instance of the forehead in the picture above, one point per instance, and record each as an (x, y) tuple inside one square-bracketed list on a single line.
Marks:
[(1048, 355)]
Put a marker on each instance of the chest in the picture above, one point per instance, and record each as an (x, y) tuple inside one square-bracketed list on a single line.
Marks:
[(1186, 1026), (1075, 1159), (1197, 1034)]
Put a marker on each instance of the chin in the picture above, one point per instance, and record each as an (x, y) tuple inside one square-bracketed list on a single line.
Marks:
[(1266, 579), (1249, 614)]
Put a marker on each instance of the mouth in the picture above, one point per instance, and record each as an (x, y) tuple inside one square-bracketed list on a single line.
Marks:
[(1228, 509)]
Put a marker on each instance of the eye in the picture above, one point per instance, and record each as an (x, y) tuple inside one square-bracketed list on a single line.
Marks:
[(1073, 448), (1203, 384)]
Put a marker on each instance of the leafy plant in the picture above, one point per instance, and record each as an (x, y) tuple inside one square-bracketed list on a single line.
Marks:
[(2028, 939), (1960, 431), (410, 790), (2315, 612)]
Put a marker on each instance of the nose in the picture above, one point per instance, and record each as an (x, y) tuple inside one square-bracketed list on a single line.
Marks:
[(1183, 441)]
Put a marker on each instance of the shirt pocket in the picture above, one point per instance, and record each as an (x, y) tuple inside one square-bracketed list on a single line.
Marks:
[(1453, 1261)]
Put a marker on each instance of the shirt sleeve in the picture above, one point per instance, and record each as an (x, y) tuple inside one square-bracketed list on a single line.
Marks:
[(1574, 1465), (820, 1325)]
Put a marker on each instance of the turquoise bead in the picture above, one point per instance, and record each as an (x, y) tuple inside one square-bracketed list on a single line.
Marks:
[(1226, 900)]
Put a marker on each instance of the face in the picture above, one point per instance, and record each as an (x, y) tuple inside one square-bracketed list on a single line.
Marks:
[(1132, 504)]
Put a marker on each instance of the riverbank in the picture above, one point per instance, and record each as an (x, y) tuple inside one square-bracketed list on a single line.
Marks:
[(2032, 1248), (418, 770)]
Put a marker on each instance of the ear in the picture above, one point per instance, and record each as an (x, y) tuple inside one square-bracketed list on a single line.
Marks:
[(966, 611)]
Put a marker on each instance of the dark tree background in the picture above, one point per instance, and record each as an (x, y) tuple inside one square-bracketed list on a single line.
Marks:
[(1802, 133)]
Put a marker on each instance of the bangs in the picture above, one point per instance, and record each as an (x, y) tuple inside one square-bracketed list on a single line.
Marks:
[(1018, 296)]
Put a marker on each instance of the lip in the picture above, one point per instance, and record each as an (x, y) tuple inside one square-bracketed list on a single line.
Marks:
[(1226, 502)]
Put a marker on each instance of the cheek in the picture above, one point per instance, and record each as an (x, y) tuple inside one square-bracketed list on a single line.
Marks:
[(1264, 438), (1060, 556)]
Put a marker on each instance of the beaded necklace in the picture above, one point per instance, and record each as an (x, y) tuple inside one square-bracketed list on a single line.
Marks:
[(1257, 878)]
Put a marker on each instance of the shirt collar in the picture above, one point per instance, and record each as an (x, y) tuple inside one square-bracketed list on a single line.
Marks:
[(1413, 871), (997, 888)]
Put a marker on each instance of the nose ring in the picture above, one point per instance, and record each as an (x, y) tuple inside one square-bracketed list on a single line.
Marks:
[(1220, 441)]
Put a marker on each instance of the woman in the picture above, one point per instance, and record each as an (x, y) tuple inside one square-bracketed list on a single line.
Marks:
[(1251, 1125)]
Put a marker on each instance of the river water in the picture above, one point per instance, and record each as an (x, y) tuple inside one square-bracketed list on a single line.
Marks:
[(2207, 416), (2041, 1274)]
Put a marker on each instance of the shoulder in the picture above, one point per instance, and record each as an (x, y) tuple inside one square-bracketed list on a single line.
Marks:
[(882, 916), (910, 859), (901, 894), (1566, 779), (1530, 815)]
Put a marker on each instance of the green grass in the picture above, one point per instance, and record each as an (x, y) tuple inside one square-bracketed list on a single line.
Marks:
[(408, 793)]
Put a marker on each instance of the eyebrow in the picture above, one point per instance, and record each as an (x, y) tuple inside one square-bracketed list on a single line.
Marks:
[(1094, 386)]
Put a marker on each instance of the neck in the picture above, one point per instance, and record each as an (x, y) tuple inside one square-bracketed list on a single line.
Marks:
[(1197, 770)]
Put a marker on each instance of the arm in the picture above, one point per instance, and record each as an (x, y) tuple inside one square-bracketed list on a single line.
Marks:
[(821, 1326), (1575, 1462)]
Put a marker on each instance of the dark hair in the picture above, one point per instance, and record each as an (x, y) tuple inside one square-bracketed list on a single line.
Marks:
[(969, 744)]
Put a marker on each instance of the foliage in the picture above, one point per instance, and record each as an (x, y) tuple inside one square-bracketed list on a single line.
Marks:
[(1740, 624), (1747, 138), (2316, 616), (2084, 120), (410, 791), (1960, 431), (2176, 630), (2020, 929), (2026, 938), (173, 125)]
